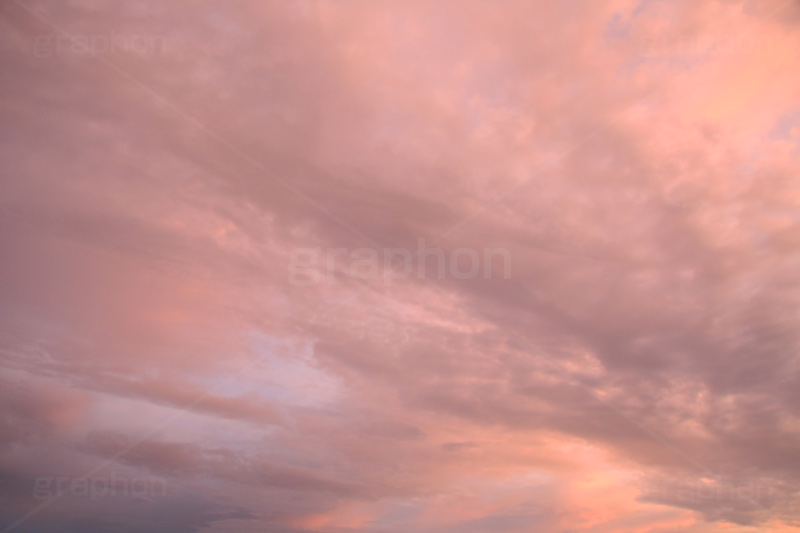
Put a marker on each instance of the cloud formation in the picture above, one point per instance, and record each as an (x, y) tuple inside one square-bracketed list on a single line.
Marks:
[(635, 371)]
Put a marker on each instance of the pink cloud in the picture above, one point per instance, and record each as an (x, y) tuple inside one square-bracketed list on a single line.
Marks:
[(633, 372)]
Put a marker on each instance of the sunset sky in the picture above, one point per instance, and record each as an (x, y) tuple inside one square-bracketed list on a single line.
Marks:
[(400, 266)]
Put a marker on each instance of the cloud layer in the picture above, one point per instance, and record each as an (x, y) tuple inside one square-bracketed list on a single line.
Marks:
[(164, 165)]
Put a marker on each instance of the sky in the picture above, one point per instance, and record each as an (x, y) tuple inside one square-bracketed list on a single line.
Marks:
[(444, 266)]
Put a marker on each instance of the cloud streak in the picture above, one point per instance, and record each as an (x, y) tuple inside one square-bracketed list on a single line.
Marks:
[(632, 370)]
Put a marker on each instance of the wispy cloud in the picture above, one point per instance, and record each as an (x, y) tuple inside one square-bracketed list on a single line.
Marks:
[(624, 362)]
